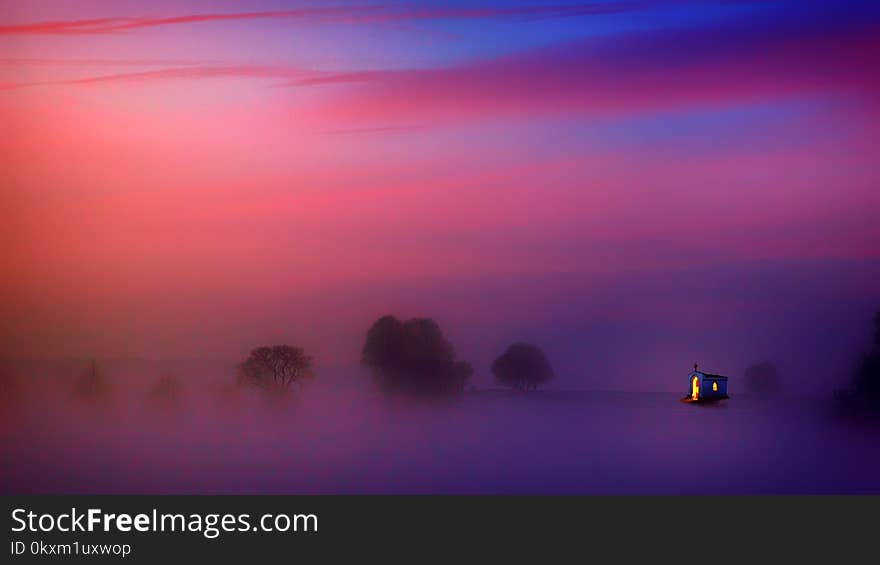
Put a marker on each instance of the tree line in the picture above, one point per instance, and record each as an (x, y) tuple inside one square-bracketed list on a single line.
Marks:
[(411, 357), (415, 357)]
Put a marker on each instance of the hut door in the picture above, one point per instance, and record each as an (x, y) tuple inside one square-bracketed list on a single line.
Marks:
[(695, 388)]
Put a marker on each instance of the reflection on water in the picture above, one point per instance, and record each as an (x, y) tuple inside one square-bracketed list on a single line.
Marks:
[(327, 441)]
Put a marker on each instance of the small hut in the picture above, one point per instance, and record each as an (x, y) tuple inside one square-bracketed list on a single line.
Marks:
[(704, 386)]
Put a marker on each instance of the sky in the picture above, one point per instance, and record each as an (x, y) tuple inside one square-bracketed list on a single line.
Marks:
[(632, 185)]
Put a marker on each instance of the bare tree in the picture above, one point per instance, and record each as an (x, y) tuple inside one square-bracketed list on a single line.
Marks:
[(11, 390), (92, 385), (167, 391), (276, 367)]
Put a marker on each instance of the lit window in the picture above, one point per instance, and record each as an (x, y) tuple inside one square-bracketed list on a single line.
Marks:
[(714, 386)]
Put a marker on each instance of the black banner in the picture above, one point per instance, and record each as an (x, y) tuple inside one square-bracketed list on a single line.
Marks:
[(157, 529)]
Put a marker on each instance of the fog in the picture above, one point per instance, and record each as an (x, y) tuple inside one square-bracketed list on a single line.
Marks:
[(633, 331), (340, 436), (174, 420)]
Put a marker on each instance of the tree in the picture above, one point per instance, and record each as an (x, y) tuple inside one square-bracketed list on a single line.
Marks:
[(867, 378), (763, 378), (167, 391), (92, 385), (10, 385), (276, 368), (11, 391), (413, 357), (522, 366), (877, 330)]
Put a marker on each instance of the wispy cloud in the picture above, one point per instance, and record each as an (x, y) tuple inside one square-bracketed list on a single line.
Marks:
[(287, 75), (94, 62), (339, 14), (625, 73), (622, 73), (368, 130), (741, 61), (196, 72)]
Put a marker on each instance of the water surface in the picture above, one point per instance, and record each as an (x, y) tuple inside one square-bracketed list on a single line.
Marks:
[(485, 442)]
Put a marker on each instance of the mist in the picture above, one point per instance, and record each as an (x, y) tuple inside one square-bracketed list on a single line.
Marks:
[(632, 331), (175, 426)]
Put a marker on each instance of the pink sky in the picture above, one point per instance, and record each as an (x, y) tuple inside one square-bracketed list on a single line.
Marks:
[(196, 177)]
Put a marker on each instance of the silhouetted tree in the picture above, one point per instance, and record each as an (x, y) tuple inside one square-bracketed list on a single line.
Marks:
[(522, 366), (92, 385), (9, 383), (877, 330), (166, 391), (277, 367), (867, 379), (413, 357), (11, 390), (763, 378)]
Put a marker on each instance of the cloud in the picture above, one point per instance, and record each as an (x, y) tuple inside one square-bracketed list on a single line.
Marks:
[(740, 62), (289, 74), (623, 74), (340, 14), (756, 59), (196, 72), (388, 129), (93, 62)]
